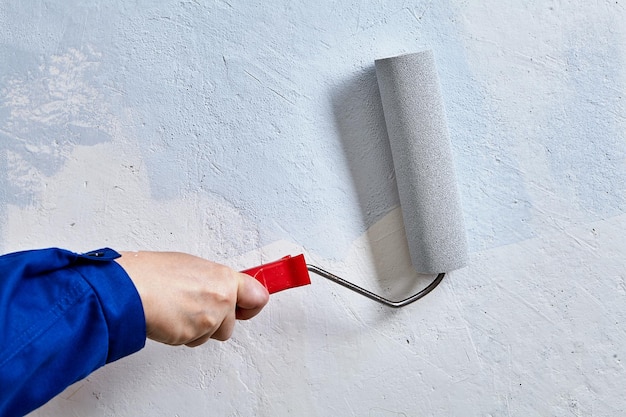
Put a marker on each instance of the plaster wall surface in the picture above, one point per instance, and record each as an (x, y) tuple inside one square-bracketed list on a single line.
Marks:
[(244, 131)]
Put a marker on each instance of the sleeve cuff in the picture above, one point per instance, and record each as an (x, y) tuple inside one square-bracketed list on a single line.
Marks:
[(119, 299)]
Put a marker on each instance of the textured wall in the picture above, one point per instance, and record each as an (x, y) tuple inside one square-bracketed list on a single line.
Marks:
[(242, 131)]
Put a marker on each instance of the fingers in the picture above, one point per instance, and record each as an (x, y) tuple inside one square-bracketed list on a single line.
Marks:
[(252, 296), (222, 333), (189, 300), (200, 341)]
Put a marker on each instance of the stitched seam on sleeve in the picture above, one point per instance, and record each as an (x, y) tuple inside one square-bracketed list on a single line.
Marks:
[(49, 319)]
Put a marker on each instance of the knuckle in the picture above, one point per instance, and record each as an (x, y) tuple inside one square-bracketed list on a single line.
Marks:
[(224, 332), (186, 335), (206, 323), (222, 296), (223, 336)]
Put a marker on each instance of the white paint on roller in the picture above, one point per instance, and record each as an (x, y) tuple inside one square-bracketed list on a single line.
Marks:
[(420, 144)]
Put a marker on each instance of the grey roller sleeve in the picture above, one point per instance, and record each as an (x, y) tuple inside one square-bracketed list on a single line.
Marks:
[(422, 158)]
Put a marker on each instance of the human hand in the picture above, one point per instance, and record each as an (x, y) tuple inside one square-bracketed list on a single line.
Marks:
[(188, 300)]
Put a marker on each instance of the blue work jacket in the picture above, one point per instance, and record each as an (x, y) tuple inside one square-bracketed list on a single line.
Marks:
[(62, 316)]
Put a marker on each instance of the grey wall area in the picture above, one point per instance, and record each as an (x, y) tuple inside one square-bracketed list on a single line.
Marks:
[(246, 131)]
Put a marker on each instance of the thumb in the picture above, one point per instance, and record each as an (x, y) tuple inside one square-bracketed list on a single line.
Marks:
[(252, 296)]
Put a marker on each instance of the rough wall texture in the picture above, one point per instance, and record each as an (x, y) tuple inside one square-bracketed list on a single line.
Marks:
[(241, 131)]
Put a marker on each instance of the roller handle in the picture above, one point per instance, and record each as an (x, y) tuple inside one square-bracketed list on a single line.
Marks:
[(293, 271), (285, 273)]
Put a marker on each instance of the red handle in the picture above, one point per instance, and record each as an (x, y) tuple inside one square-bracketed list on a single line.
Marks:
[(287, 272)]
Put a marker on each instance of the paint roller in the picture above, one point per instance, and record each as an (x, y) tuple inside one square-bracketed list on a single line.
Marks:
[(422, 159)]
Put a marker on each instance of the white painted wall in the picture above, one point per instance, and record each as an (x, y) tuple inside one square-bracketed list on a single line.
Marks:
[(243, 131)]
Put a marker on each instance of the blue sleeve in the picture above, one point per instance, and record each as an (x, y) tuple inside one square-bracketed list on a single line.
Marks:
[(62, 316)]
